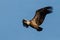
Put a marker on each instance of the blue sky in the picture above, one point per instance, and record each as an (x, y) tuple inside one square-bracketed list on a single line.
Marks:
[(13, 11)]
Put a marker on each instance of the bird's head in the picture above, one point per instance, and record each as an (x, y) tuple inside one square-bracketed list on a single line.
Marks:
[(26, 22), (48, 9)]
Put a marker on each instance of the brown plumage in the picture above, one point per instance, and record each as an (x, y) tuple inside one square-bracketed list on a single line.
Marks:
[(38, 19)]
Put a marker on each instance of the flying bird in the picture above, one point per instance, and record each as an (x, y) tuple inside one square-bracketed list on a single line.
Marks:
[(38, 19)]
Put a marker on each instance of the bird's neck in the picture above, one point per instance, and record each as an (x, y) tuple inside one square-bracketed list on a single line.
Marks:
[(28, 22)]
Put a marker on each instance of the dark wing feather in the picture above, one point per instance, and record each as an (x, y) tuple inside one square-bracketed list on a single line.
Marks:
[(41, 14), (39, 17)]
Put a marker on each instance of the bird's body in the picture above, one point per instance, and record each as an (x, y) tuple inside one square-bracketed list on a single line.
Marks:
[(38, 19)]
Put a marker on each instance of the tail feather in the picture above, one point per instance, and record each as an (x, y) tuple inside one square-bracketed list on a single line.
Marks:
[(39, 29)]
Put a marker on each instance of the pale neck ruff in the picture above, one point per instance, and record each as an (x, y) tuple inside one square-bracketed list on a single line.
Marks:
[(28, 22)]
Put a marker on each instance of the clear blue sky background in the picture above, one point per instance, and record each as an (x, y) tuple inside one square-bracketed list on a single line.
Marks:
[(13, 11)]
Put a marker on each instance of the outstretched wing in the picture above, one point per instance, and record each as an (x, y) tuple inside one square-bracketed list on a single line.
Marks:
[(40, 15), (38, 18)]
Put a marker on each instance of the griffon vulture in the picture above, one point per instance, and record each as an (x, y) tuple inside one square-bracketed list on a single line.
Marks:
[(38, 19)]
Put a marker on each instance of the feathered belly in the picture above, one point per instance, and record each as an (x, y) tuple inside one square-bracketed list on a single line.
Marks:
[(33, 25)]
